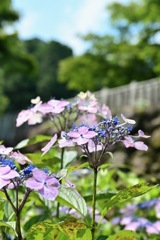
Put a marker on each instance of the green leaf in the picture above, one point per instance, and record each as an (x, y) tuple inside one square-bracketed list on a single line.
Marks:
[(101, 196), (10, 225), (68, 157), (1, 209), (123, 235), (74, 168), (33, 140), (126, 194), (71, 198), (48, 160), (56, 229)]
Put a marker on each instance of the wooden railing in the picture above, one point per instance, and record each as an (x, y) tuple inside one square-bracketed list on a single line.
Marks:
[(136, 94)]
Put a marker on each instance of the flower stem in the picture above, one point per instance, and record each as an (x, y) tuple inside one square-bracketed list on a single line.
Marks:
[(95, 171), (61, 167)]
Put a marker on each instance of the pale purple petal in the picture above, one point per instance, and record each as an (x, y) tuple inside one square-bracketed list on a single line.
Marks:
[(33, 184), (50, 195), (4, 150), (4, 170), (23, 116), (92, 147), (35, 118), (81, 141), (130, 121), (83, 130), (151, 229), (132, 226), (3, 183), (65, 143), (125, 220), (90, 134), (141, 134), (141, 146), (157, 225), (12, 174), (49, 144), (39, 175), (128, 142), (73, 134), (52, 183), (20, 158)]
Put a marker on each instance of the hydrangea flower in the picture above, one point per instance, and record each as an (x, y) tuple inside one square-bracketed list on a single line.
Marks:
[(6, 175), (49, 145), (46, 185)]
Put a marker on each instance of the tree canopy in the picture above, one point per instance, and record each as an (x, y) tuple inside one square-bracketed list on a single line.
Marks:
[(130, 52)]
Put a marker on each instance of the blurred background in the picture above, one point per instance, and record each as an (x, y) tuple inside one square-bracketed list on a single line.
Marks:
[(58, 48)]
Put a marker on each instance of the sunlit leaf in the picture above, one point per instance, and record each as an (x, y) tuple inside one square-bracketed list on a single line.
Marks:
[(126, 194), (1, 209), (71, 198), (33, 140), (56, 229), (10, 225), (101, 196), (123, 235)]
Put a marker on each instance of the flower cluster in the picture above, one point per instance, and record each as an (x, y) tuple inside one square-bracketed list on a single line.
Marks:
[(131, 221), (12, 176), (100, 137)]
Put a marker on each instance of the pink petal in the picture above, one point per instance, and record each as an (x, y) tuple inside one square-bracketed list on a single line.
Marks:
[(141, 146), (90, 134), (4, 170), (20, 158), (49, 144), (33, 184), (3, 183), (83, 130), (4, 150), (81, 141), (73, 134), (65, 143)]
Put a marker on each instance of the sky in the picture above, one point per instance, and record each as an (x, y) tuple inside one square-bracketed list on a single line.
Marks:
[(62, 20)]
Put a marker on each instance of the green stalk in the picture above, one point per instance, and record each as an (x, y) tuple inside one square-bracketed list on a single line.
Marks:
[(61, 167), (95, 171)]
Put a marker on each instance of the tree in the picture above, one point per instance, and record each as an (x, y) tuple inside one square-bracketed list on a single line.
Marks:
[(14, 60), (130, 52)]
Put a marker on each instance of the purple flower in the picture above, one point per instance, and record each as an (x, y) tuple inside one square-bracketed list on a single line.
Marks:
[(20, 158), (58, 106), (49, 144), (129, 142), (31, 115), (6, 174), (46, 185), (4, 150), (64, 141), (82, 135)]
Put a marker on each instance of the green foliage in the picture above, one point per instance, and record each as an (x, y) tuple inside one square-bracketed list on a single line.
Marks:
[(126, 194), (70, 228), (71, 198), (130, 52), (123, 235)]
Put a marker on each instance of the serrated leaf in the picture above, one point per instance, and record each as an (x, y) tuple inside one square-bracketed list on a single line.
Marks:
[(33, 140), (123, 235), (1, 209), (99, 197), (71, 198), (126, 194)]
